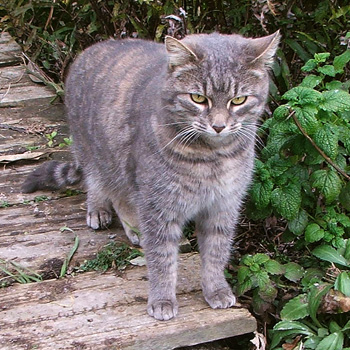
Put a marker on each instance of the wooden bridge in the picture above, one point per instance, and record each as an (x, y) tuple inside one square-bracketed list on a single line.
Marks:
[(87, 310)]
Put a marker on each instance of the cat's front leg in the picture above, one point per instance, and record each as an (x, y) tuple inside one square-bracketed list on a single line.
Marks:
[(160, 242), (214, 234)]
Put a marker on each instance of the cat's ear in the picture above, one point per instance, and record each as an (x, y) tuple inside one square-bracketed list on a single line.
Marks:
[(265, 48), (178, 53)]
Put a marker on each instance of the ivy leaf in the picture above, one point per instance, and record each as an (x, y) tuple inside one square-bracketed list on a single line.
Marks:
[(303, 95), (287, 200), (299, 223), (342, 283), (294, 272), (335, 100), (311, 81), (328, 253), (295, 309), (306, 117), (313, 233), (333, 341), (327, 70), (341, 61), (328, 182)]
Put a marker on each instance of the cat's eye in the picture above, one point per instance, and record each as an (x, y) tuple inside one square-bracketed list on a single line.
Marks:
[(238, 100), (198, 98)]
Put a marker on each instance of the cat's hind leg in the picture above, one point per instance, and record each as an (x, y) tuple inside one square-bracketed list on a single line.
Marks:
[(129, 219), (99, 207)]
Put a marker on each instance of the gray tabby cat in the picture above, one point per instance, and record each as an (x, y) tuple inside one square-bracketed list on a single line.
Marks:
[(164, 135)]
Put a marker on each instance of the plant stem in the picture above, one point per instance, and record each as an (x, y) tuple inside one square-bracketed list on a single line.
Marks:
[(327, 159)]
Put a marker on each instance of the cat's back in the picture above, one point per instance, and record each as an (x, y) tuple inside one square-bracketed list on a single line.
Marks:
[(112, 69)]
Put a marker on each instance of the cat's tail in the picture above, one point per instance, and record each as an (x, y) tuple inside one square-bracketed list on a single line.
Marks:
[(52, 175)]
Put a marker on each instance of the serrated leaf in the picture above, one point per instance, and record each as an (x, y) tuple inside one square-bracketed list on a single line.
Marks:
[(274, 267), (286, 201), (262, 279), (306, 118), (328, 182), (299, 223), (335, 100), (242, 274), (327, 139), (342, 283), (327, 70), (341, 61), (328, 253), (244, 287), (261, 193), (333, 341), (294, 272), (303, 95), (311, 81), (295, 309), (313, 233), (281, 112), (268, 293), (309, 65), (260, 258), (322, 56), (344, 196)]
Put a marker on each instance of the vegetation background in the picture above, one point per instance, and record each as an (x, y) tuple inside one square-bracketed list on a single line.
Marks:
[(292, 264)]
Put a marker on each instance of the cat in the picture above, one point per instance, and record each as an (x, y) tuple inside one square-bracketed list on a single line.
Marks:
[(165, 134)]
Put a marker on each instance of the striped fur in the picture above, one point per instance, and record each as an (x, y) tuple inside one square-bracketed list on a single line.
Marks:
[(146, 149)]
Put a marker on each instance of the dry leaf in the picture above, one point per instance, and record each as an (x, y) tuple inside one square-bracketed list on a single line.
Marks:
[(9, 158), (259, 341)]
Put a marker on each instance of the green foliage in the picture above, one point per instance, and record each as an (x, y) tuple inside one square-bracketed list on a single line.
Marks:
[(117, 255), (302, 172)]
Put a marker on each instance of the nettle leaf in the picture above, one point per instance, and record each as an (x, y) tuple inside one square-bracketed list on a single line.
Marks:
[(328, 182), (260, 258), (344, 196), (311, 81), (322, 57), (342, 283), (294, 272), (335, 100), (303, 95), (309, 65), (261, 193), (274, 267), (299, 223), (306, 118), (244, 287), (341, 61), (281, 112), (268, 293), (313, 233), (328, 253), (242, 274), (287, 200), (333, 341), (295, 309), (327, 70), (262, 279), (327, 139)]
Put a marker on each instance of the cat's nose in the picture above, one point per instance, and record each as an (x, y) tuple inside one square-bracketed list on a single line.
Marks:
[(218, 128)]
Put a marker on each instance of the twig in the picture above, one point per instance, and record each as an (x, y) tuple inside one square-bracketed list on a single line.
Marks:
[(327, 159)]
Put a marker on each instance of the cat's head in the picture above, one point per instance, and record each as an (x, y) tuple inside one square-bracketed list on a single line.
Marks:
[(217, 85)]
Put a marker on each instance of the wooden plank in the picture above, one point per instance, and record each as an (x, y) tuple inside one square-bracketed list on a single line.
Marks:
[(10, 51), (93, 311)]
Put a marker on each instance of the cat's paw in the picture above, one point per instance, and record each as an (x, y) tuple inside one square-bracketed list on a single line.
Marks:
[(134, 238), (163, 310), (99, 219), (220, 299)]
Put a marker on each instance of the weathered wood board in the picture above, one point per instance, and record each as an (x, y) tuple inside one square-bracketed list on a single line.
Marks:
[(93, 311), (10, 51)]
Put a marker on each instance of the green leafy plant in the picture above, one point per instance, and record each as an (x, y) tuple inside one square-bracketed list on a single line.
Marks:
[(67, 141), (51, 138), (117, 255), (67, 260), (302, 172)]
